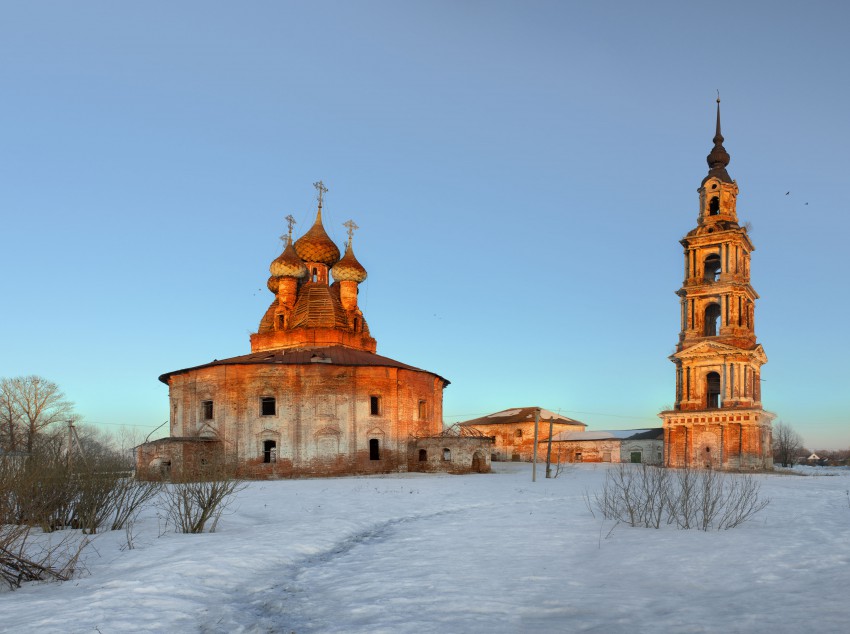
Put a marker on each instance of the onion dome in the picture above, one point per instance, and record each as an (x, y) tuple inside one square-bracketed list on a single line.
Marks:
[(288, 264), (348, 269), (718, 158), (316, 245)]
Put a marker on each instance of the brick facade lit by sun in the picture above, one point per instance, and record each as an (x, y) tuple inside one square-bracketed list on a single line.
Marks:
[(718, 420)]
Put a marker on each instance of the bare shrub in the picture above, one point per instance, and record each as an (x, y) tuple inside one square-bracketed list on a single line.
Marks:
[(130, 496), (193, 502), (28, 554), (704, 499)]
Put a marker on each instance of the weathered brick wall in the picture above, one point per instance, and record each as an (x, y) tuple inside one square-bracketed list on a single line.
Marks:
[(604, 450), (465, 454), (719, 439), (323, 422), (510, 446)]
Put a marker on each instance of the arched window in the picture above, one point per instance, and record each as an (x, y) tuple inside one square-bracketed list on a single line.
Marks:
[(714, 206), (423, 455), (315, 275), (269, 451), (374, 449), (712, 320), (712, 268), (712, 389), (447, 454)]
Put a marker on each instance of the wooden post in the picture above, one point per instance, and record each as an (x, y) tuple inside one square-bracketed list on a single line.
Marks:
[(549, 450), (534, 454)]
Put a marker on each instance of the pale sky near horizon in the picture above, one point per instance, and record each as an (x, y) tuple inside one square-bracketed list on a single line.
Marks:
[(521, 173)]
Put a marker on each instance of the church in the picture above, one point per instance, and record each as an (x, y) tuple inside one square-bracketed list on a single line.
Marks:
[(312, 397), (718, 420)]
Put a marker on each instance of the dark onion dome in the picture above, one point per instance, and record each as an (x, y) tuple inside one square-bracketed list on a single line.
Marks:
[(348, 269), (718, 158), (288, 264), (316, 245)]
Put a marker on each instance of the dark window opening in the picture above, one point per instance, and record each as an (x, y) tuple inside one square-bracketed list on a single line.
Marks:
[(518, 433), (356, 324), (712, 268), (374, 449), (422, 410), (712, 390), (207, 410), (714, 206), (423, 455), (712, 319), (635, 456), (269, 451), (447, 454), (375, 405), (267, 406)]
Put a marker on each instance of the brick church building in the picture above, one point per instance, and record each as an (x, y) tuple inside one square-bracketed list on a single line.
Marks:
[(312, 397), (718, 420)]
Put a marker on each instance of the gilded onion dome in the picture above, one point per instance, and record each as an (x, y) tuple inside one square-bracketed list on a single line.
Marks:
[(316, 245), (288, 264), (348, 268)]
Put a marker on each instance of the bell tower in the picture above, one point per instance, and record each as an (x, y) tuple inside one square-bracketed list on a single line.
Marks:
[(717, 420)]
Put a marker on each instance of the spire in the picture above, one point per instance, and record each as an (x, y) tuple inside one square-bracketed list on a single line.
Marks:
[(718, 158)]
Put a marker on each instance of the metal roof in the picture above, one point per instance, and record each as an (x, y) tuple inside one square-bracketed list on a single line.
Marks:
[(521, 415), (652, 433), (332, 355)]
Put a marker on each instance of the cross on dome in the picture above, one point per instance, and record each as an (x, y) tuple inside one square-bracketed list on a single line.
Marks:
[(322, 190), (349, 224)]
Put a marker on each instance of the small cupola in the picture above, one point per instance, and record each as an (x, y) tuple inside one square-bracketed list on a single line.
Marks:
[(348, 269)]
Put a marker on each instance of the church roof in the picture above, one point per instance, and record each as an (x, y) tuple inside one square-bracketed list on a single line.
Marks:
[(348, 268), (316, 245), (520, 415), (288, 264), (333, 355), (318, 306), (718, 158)]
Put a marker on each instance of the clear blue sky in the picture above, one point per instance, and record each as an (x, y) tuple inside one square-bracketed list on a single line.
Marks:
[(521, 172)]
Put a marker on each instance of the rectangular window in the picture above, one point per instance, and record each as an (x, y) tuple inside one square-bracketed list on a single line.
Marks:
[(374, 448), (422, 410), (207, 410), (267, 406), (375, 405)]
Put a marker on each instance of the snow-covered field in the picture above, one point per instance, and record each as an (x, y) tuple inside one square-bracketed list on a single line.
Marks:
[(455, 554)]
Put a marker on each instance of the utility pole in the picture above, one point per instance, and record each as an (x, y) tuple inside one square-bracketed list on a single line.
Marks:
[(549, 451), (534, 454)]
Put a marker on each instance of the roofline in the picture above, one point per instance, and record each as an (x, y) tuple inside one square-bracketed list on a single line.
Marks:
[(240, 361)]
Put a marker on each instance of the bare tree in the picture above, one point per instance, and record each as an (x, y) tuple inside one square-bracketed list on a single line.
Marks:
[(34, 403), (9, 417), (787, 444)]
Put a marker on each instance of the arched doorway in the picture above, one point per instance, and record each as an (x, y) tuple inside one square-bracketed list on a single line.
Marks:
[(479, 463)]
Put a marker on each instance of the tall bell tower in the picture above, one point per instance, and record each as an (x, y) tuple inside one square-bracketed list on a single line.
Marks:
[(717, 420)]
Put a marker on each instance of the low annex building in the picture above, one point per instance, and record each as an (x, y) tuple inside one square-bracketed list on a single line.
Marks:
[(512, 430), (629, 445), (312, 397)]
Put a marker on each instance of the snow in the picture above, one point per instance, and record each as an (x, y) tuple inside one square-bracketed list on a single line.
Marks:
[(478, 553)]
